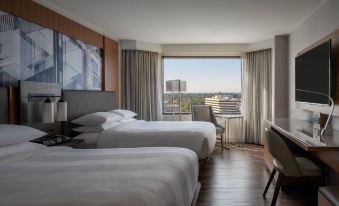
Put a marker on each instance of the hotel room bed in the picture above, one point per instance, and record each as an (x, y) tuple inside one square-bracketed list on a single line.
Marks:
[(199, 137), (39, 175)]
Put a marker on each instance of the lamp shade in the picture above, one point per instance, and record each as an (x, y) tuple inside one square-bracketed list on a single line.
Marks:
[(48, 111), (62, 110), (176, 85), (183, 87)]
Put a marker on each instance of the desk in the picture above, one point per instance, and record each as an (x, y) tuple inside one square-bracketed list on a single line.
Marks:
[(227, 118), (297, 130)]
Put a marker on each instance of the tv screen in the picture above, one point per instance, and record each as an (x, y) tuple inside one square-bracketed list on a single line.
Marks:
[(313, 75)]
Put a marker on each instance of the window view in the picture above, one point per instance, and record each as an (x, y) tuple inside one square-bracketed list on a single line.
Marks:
[(204, 81)]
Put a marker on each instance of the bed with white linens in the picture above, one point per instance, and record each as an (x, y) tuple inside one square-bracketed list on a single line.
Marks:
[(124, 131), (118, 129), (33, 174), (199, 137)]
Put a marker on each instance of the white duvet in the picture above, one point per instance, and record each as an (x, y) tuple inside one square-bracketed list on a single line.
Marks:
[(199, 137), (124, 177)]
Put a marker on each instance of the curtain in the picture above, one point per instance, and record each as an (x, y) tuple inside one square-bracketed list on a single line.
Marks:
[(257, 93), (141, 85)]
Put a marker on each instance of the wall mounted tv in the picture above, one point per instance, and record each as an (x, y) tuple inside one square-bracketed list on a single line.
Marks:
[(313, 75)]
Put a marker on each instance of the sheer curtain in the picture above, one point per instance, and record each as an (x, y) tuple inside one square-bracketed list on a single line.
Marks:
[(141, 83), (257, 68)]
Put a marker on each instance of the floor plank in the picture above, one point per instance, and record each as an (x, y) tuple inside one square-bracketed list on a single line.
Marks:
[(238, 177)]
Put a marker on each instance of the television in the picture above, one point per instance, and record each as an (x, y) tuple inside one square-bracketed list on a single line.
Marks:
[(313, 75)]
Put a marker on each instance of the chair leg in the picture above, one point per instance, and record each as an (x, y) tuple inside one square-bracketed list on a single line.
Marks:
[(277, 189), (269, 182), (222, 142)]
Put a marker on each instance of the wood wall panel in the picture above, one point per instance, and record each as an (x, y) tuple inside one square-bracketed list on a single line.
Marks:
[(24, 8), (13, 105), (31, 11), (334, 36), (16, 7), (6, 6), (111, 68)]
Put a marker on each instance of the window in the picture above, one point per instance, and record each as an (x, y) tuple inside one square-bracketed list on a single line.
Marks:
[(209, 81)]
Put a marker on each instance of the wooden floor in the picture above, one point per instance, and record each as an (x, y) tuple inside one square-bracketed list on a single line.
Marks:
[(237, 177)]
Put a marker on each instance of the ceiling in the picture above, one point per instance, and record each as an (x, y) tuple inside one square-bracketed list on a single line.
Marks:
[(190, 21)]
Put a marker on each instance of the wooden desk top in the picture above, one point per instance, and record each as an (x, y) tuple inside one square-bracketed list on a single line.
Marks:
[(299, 132)]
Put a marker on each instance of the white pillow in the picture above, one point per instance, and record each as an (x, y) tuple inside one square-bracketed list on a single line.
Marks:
[(97, 129), (124, 113), (14, 134), (97, 118), (128, 120), (89, 138)]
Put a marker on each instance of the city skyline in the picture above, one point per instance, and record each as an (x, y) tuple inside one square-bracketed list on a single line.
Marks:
[(205, 75)]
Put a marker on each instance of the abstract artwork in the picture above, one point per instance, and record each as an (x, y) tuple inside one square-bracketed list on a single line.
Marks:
[(35, 53)]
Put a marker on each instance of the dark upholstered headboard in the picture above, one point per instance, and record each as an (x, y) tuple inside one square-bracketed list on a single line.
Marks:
[(80, 102), (9, 109), (4, 108)]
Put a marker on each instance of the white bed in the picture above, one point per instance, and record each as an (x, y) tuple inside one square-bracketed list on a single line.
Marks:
[(199, 137), (39, 175)]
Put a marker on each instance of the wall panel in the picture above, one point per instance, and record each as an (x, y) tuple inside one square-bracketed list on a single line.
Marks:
[(6, 6), (111, 68)]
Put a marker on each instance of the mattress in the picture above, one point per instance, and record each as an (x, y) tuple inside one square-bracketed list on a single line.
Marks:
[(65, 176), (199, 137)]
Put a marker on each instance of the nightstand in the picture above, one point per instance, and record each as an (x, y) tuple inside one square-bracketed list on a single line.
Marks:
[(58, 140), (69, 143)]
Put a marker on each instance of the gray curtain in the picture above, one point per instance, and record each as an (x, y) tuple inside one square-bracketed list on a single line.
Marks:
[(140, 86), (257, 93)]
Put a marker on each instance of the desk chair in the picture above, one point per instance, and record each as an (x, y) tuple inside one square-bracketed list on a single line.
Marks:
[(286, 164), (328, 196), (205, 113)]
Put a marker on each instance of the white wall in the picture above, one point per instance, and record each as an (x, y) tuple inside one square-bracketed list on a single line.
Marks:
[(265, 44), (280, 79), (203, 49), (321, 23), (126, 44)]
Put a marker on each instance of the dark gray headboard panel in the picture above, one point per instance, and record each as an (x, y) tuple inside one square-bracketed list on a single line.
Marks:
[(81, 102), (4, 109)]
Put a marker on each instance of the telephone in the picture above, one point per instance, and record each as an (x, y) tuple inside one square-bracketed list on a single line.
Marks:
[(52, 139)]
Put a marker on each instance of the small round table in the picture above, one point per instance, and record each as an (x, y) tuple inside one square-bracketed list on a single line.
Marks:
[(227, 118)]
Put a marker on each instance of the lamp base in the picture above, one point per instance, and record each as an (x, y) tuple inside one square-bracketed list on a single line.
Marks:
[(316, 125), (328, 131)]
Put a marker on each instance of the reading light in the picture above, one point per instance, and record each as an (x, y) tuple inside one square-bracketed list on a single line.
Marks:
[(48, 108), (61, 110), (48, 111)]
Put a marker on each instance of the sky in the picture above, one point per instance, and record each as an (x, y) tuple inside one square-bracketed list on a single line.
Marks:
[(205, 74)]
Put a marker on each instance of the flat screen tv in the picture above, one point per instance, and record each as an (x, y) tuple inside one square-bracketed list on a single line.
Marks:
[(313, 74)]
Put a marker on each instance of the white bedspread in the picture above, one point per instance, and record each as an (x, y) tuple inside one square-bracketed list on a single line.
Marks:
[(124, 177), (197, 136)]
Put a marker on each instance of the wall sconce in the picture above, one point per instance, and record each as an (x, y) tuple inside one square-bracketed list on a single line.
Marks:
[(48, 109), (61, 110)]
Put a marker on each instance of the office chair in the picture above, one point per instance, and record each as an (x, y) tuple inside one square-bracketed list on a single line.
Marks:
[(286, 164)]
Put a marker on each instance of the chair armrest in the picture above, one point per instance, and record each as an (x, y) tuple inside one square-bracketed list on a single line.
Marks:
[(219, 125)]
